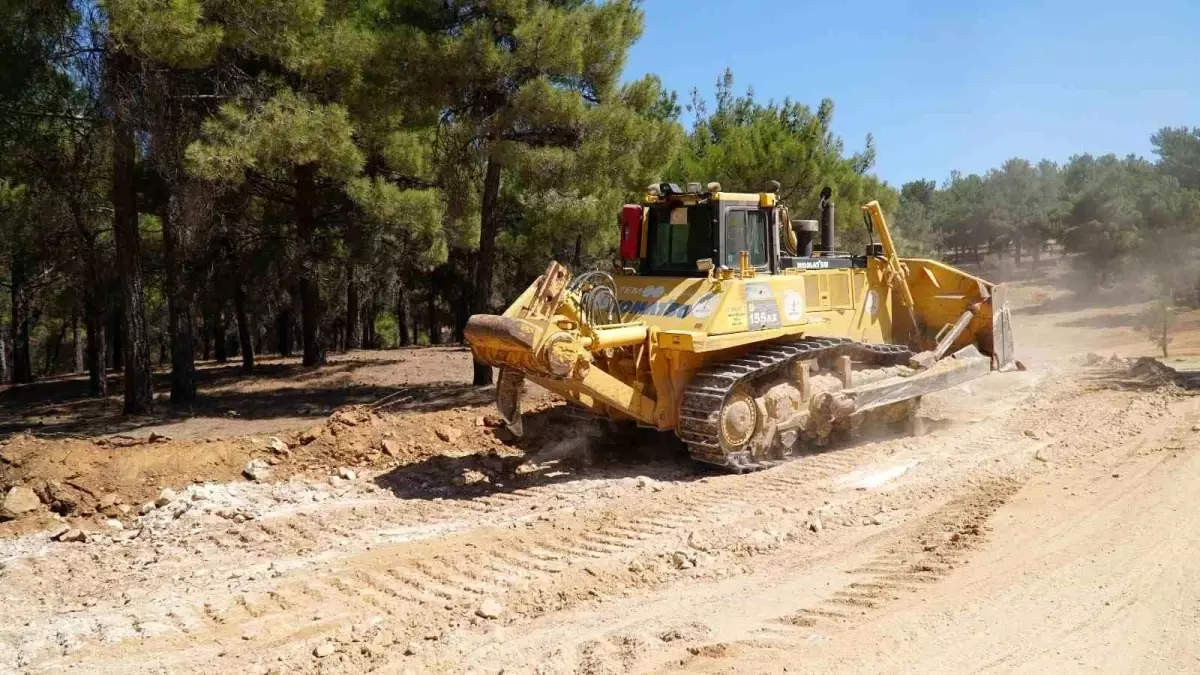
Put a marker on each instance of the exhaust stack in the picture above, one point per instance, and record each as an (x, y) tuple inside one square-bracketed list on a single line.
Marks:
[(827, 214)]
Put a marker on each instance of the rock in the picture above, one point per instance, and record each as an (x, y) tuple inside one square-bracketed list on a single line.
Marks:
[(311, 435), (347, 474), (645, 481), (58, 532), (1031, 434), (481, 421), (1041, 455), (20, 500), (257, 470), (165, 497), (815, 525), (156, 437), (124, 509), (146, 508), (1116, 475), (447, 434), (108, 501), (490, 609), (323, 650), (114, 524), (683, 560), (64, 500), (74, 535), (391, 447), (878, 519), (412, 649), (278, 446), (697, 541)]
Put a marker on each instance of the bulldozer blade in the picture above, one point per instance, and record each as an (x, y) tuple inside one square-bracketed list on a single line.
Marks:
[(964, 365), (509, 388), (1004, 356)]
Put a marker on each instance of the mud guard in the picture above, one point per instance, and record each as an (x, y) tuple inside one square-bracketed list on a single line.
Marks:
[(1004, 356), (509, 388)]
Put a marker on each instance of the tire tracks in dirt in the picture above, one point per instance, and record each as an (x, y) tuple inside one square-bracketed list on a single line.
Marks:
[(426, 587)]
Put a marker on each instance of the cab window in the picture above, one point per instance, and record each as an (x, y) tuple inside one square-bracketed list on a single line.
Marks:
[(746, 230), (676, 246)]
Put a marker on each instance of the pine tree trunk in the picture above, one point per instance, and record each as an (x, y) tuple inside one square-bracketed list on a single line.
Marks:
[(3, 358), (461, 314), (139, 389), (283, 331), (97, 343), (310, 291), (1017, 251), (116, 336), (220, 324), (577, 259), (77, 343), (435, 333), (179, 303), (243, 328), (54, 355), (22, 366), (402, 316), (1037, 254), (352, 336), (489, 226)]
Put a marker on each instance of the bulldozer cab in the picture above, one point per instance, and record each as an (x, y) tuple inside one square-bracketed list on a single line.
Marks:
[(682, 228)]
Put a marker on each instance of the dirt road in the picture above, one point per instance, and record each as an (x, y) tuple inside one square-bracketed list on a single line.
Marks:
[(1045, 520)]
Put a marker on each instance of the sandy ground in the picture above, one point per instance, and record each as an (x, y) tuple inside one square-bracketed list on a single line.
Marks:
[(1043, 522)]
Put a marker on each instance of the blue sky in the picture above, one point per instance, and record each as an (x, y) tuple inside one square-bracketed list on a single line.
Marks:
[(946, 85)]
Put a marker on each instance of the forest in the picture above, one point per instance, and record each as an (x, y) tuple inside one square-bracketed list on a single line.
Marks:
[(185, 180)]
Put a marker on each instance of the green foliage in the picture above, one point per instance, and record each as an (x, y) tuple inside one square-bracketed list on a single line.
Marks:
[(743, 144), (287, 130), (171, 31), (1178, 151)]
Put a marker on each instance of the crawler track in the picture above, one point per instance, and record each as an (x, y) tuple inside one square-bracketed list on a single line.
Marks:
[(707, 392)]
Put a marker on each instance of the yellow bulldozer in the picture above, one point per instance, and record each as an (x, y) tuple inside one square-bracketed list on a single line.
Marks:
[(746, 333)]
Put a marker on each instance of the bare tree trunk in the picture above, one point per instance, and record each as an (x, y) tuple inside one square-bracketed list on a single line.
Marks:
[(310, 291), (1017, 251), (283, 331), (3, 358), (489, 226), (139, 389), (243, 328), (95, 323), (179, 303), (402, 316), (22, 367), (435, 333), (220, 325), (352, 335), (462, 312), (54, 354), (78, 359)]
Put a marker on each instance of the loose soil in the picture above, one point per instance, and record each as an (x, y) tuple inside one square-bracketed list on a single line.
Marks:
[(1041, 521)]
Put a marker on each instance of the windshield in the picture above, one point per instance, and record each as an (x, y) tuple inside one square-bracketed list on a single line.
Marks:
[(746, 230), (678, 237)]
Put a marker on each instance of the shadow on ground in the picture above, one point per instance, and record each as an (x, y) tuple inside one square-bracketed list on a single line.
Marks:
[(61, 405), (559, 445)]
